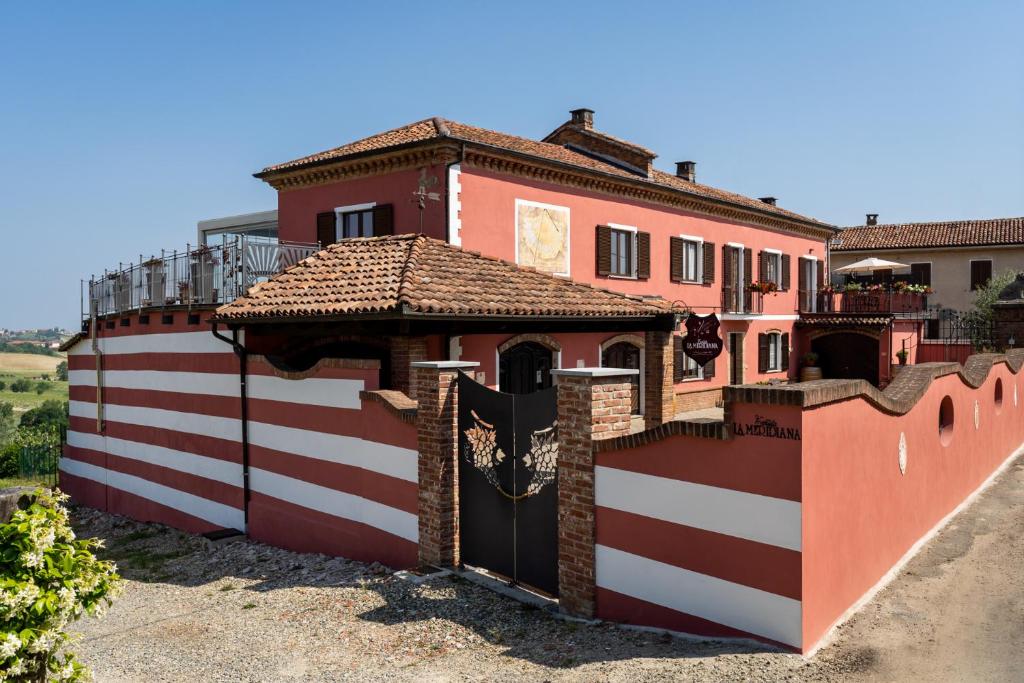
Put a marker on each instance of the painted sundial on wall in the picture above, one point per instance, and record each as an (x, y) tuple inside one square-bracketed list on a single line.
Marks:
[(542, 237)]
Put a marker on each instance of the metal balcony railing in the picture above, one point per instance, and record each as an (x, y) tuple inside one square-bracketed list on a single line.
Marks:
[(742, 300), (197, 276)]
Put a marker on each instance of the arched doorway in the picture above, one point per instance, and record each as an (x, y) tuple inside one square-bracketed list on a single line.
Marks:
[(525, 368), (847, 355), (623, 354)]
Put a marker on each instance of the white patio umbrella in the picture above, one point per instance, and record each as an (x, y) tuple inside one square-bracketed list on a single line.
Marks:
[(870, 265)]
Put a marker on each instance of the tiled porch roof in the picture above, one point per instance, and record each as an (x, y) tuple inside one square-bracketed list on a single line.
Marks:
[(843, 320), (414, 275)]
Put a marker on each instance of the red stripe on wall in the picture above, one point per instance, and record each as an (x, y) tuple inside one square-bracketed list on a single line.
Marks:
[(224, 363), (339, 421), (156, 325), (276, 522), (397, 493), (210, 489), (212, 447), (625, 609), (714, 463), (758, 565), (96, 495), (203, 404)]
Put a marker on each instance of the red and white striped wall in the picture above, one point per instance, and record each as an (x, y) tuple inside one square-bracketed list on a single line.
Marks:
[(341, 469), (701, 537)]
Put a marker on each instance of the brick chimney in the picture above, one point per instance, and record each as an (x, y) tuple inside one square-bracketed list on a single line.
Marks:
[(583, 117), (872, 219), (768, 200), (687, 170)]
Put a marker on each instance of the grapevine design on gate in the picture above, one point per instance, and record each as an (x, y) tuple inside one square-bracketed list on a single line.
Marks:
[(541, 461)]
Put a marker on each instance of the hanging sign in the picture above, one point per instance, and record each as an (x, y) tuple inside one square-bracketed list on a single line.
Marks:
[(702, 342)]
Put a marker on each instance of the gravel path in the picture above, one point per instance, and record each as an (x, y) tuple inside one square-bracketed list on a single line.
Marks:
[(247, 612)]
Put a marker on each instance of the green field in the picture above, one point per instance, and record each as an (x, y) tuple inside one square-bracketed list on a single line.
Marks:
[(17, 365)]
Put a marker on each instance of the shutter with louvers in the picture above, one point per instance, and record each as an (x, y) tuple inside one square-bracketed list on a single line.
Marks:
[(748, 266), (709, 262), (326, 228), (603, 250), (785, 351), (675, 255), (709, 369), (821, 274), (785, 273), (801, 274), (383, 220), (762, 352), (726, 267), (762, 266), (678, 359), (643, 255)]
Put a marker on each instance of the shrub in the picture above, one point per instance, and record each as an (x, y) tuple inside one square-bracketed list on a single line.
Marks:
[(51, 414), (48, 579), (3, 385), (21, 385), (62, 371)]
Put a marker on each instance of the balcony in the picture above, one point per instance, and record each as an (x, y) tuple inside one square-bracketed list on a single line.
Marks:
[(742, 301), (199, 276), (864, 302)]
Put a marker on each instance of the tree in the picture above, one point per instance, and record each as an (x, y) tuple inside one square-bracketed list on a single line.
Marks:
[(7, 422), (62, 371), (3, 385), (52, 414), (980, 319), (21, 385)]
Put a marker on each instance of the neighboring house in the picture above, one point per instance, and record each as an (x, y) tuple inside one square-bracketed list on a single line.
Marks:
[(953, 257)]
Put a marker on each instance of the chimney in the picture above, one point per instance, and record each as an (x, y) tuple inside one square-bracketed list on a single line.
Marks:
[(872, 219), (768, 200), (687, 170), (583, 117)]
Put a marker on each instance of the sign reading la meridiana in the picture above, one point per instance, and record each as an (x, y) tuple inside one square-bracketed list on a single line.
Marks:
[(702, 342)]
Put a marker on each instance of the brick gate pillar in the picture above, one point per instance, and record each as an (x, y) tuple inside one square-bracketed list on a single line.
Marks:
[(593, 403), (659, 371), (437, 417)]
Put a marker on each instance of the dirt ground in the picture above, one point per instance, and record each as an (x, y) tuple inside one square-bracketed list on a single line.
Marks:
[(247, 612)]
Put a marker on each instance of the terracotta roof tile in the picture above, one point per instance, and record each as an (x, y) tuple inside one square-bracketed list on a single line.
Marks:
[(403, 273), (437, 128), (925, 235)]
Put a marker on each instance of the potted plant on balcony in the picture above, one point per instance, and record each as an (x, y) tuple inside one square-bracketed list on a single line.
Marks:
[(902, 355), (767, 287), (810, 370), (183, 292)]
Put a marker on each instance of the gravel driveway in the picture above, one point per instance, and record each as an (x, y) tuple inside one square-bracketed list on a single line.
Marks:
[(247, 612)]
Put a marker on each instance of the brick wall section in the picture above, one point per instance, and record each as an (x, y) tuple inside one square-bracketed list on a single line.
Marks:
[(406, 350), (659, 398), (590, 408), (698, 400), (437, 417)]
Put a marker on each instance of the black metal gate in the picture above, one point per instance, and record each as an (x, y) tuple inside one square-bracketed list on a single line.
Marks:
[(508, 483)]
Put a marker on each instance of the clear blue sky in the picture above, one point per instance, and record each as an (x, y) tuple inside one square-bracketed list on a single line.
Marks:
[(122, 124)]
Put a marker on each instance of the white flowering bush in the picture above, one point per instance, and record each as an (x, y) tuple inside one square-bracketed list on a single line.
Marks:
[(48, 579)]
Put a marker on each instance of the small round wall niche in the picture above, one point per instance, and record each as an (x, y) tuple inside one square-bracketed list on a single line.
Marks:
[(977, 414), (946, 418), (903, 453)]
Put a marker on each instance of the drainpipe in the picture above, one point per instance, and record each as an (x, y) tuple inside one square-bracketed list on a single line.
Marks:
[(243, 356)]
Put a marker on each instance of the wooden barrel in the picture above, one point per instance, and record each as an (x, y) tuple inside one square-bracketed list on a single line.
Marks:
[(808, 373)]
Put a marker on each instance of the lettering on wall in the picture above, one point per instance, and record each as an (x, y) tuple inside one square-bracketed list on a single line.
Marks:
[(766, 427), (702, 342)]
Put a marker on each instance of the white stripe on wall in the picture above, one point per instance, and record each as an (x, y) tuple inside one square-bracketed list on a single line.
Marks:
[(723, 602), (390, 460), (332, 393), (393, 461), (213, 512), (167, 342), (337, 503), (190, 463), (745, 515)]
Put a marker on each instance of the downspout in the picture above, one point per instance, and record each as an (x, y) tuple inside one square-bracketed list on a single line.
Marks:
[(243, 356)]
